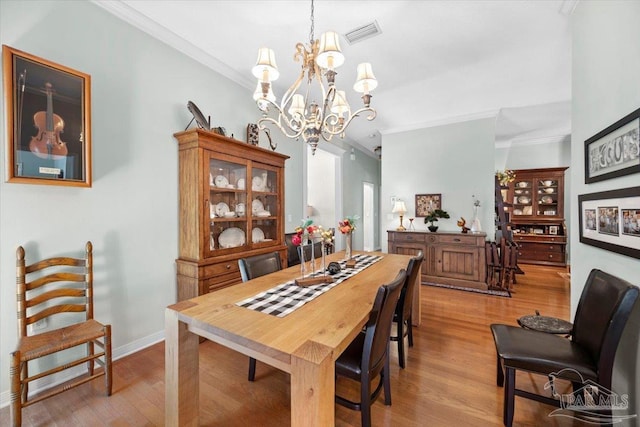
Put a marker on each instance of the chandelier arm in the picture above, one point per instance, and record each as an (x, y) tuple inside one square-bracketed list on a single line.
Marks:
[(370, 117), (297, 130), (262, 126)]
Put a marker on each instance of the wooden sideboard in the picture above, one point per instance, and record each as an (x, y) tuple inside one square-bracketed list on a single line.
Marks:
[(450, 258)]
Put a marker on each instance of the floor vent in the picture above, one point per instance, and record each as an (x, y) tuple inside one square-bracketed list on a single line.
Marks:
[(364, 32)]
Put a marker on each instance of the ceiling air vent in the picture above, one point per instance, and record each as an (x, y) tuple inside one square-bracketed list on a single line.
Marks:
[(363, 32)]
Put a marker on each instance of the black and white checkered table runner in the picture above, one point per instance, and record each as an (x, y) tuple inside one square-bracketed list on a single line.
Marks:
[(288, 297)]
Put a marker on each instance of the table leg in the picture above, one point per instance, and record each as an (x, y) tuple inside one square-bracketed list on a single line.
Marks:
[(181, 372), (312, 386)]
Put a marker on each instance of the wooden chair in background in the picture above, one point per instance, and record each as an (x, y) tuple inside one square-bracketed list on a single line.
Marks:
[(45, 290)]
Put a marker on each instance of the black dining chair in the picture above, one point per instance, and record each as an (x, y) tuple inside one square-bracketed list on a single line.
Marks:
[(402, 316), (602, 313), (256, 266), (367, 357)]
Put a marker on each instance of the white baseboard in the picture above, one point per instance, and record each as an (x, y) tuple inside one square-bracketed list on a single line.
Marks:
[(45, 383)]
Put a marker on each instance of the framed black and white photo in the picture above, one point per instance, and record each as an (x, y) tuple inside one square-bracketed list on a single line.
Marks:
[(614, 151), (48, 112), (611, 220)]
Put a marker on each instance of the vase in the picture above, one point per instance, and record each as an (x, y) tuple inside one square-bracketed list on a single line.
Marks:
[(303, 267), (475, 224), (433, 228), (347, 250)]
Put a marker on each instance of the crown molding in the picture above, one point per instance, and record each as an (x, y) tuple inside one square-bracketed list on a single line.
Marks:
[(441, 122), (157, 31), (523, 142)]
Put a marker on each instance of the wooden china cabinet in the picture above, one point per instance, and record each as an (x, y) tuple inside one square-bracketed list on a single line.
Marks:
[(537, 215), (231, 206)]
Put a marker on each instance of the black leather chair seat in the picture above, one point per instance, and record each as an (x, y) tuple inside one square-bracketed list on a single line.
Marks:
[(539, 352), (348, 364)]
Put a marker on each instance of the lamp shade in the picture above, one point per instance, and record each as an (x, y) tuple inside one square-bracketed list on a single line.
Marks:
[(399, 207), (340, 105), (297, 105), (266, 69), (366, 81), (329, 54)]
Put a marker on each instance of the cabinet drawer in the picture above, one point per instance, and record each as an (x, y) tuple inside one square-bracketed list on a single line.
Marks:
[(459, 239), (540, 247), (221, 268), (542, 238), (541, 256), (408, 237), (216, 283)]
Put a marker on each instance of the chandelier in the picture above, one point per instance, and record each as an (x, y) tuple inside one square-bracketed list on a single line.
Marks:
[(300, 115)]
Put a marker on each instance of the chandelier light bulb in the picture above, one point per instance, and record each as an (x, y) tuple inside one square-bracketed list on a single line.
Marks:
[(340, 105)]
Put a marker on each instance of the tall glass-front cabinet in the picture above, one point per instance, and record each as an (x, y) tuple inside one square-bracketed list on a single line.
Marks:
[(537, 215), (231, 206)]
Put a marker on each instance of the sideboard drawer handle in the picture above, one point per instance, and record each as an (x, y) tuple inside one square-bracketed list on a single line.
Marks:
[(456, 240), (228, 266)]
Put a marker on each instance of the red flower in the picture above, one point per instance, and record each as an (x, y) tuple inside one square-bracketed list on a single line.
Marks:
[(296, 240)]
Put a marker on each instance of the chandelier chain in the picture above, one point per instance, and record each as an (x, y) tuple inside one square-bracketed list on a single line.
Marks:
[(312, 30)]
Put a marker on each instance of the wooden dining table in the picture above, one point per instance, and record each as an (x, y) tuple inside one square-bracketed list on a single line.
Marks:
[(304, 343)]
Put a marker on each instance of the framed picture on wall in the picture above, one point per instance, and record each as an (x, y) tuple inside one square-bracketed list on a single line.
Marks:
[(48, 121), (426, 203), (614, 151), (611, 220)]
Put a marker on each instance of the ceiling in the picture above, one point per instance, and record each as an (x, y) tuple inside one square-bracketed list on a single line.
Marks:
[(436, 62)]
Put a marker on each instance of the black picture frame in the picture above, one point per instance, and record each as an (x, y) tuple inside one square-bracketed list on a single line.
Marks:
[(48, 121), (614, 151), (610, 220), (425, 203)]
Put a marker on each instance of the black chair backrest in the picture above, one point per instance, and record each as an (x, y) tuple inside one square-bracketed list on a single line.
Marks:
[(292, 250), (317, 251), (406, 294), (259, 265), (378, 328), (604, 308)]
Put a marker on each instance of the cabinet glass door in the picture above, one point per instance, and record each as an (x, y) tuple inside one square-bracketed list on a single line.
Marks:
[(227, 205), (547, 197), (523, 197), (264, 205)]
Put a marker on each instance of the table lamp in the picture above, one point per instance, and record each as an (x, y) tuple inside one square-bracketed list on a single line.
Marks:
[(399, 208)]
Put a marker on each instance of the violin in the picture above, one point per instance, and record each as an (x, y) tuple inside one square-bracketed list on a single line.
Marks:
[(50, 125)]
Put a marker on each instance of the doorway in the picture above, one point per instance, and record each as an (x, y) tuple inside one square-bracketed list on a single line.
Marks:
[(368, 220), (324, 194)]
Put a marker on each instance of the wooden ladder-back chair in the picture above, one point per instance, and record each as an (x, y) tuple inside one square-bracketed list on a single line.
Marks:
[(45, 289)]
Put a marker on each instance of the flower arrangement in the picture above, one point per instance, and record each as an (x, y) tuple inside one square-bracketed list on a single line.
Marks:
[(305, 232), (348, 224), (505, 177), (476, 202)]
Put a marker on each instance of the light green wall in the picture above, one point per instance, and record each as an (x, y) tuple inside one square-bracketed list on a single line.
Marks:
[(455, 160), (606, 66), (140, 88)]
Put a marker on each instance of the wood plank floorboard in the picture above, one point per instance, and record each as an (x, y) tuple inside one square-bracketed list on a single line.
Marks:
[(450, 379)]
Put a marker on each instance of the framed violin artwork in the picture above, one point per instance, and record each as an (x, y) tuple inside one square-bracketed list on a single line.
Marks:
[(48, 121)]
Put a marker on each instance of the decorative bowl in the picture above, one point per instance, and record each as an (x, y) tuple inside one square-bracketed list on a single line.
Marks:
[(548, 183), (523, 184), (549, 190)]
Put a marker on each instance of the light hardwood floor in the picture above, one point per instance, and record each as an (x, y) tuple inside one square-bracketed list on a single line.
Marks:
[(450, 379)]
